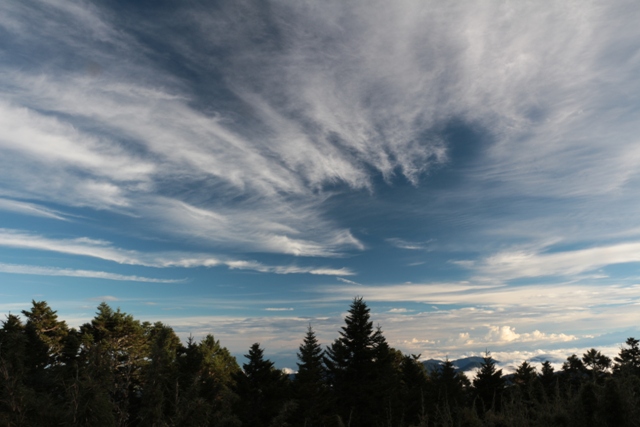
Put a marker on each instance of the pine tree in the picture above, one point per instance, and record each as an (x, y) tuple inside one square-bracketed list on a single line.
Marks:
[(573, 372), (262, 388), (309, 382), (310, 368), (14, 394), (525, 374), (158, 403), (548, 379), (596, 363), (351, 365), (628, 361), (115, 347), (45, 338), (488, 386), (450, 388), (45, 335), (415, 390)]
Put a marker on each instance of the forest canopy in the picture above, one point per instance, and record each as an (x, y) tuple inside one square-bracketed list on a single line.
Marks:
[(118, 371)]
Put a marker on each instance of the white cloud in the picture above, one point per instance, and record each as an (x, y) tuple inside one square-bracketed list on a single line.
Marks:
[(528, 263), (105, 250), (278, 309), (89, 274), (105, 298), (350, 282), (502, 334), (30, 209), (327, 109), (404, 244)]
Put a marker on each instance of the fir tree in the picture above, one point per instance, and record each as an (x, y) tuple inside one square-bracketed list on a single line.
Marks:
[(488, 386), (261, 388), (596, 363), (548, 379), (309, 383), (628, 361), (115, 347), (350, 362), (158, 403), (415, 391)]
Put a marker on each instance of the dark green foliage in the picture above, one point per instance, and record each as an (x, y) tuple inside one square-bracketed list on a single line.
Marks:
[(628, 361), (548, 378), (488, 386), (312, 394), (416, 390), (362, 371), (573, 373), (261, 387), (115, 346), (117, 371), (450, 388), (160, 376), (596, 364), (206, 381)]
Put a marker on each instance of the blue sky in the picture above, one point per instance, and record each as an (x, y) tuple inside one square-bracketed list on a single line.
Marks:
[(246, 168)]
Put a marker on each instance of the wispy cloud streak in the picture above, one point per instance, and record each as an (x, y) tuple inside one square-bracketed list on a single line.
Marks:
[(88, 274), (106, 251)]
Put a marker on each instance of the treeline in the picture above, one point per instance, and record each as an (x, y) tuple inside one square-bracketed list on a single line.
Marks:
[(118, 371)]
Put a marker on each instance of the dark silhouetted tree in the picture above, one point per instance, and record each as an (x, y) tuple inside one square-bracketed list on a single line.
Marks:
[(116, 346), (416, 390), (548, 379), (350, 363), (596, 363), (261, 387), (488, 386), (309, 384), (628, 360)]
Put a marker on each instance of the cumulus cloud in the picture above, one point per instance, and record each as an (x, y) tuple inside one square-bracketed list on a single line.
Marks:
[(502, 334)]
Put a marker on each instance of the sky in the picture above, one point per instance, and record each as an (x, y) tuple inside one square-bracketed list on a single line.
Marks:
[(246, 168)]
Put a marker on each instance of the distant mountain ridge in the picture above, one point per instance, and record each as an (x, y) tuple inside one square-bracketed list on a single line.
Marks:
[(462, 365)]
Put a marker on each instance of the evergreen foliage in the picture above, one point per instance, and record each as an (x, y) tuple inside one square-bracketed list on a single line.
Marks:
[(310, 386), (262, 388), (352, 363), (488, 386), (118, 371)]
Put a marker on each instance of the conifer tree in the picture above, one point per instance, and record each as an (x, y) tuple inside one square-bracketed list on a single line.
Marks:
[(573, 372), (450, 387), (596, 363), (525, 374), (262, 388), (116, 347), (310, 368), (45, 335), (14, 394), (488, 386), (415, 390), (352, 371), (309, 383), (628, 361), (158, 404), (548, 379)]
